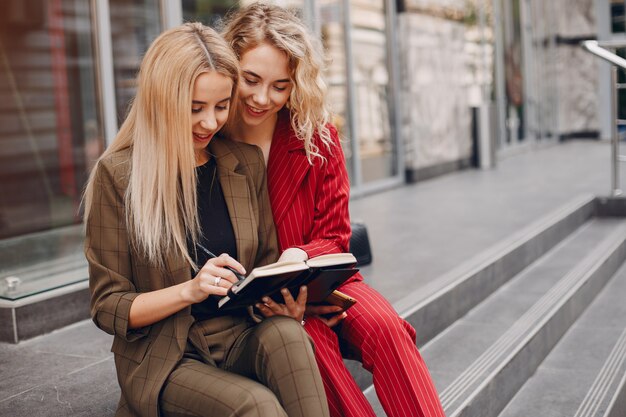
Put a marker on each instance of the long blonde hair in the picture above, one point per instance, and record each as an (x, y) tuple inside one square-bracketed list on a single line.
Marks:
[(160, 201), (260, 23)]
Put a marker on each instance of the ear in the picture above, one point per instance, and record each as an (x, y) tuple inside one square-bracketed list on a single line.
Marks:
[(288, 103)]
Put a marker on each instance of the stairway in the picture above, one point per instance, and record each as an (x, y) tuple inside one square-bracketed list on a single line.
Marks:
[(541, 333)]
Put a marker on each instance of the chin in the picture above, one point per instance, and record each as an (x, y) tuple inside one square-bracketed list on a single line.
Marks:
[(253, 121)]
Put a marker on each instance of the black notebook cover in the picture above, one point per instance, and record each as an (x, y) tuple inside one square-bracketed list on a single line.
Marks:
[(320, 283)]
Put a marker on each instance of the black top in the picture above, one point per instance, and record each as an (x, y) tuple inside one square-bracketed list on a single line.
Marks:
[(217, 230)]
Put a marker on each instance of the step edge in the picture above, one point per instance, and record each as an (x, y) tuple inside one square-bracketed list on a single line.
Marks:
[(606, 377), (541, 326), (417, 307), (544, 308), (617, 406), (582, 206)]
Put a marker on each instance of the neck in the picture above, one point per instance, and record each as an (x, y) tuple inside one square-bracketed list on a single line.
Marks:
[(202, 157), (256, 135)]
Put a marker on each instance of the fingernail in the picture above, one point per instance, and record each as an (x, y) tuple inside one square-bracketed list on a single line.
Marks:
[(284, 291), (258, 306), (265, 299)]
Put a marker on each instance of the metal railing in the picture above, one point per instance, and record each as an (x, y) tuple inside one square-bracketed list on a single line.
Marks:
[(606, 51)]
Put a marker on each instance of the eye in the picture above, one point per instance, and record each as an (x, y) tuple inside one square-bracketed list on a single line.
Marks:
[(250, 82), (196, 109), (221, 108), (277, 88)]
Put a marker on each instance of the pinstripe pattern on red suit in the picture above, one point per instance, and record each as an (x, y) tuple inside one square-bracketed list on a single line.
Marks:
[(310, 208)]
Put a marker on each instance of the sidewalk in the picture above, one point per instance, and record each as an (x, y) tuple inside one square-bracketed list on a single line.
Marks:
[(418, 233), (421, 231)]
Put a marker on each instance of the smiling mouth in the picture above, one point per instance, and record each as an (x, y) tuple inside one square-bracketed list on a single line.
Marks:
[(202, 138), (255, 111)]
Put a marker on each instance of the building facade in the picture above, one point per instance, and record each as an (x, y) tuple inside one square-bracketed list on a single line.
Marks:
[(418, 87)]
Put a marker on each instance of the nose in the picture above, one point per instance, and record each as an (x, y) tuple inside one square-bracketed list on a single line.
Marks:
[(261, 97), (209, 122)]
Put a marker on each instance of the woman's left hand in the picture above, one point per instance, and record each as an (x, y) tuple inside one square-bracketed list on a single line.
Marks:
[(291, 308)]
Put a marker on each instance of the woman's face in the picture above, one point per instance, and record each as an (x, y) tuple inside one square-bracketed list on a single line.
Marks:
[(209, 108), (265, 84)]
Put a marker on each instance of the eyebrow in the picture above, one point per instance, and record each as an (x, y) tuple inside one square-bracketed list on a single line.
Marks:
[(204, 102), (284, 80)]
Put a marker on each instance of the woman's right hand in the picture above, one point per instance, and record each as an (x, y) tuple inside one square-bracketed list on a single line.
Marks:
[(330, 315), (213, 278)]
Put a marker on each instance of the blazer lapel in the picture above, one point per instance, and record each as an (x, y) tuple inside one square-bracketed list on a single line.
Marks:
[(286, 168), (238, 200)]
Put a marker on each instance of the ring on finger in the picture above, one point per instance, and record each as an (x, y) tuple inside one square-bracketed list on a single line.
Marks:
[(217, 281)]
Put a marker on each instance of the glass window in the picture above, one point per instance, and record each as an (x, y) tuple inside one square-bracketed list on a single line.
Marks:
[(513, 72), (134, 25), (372, 90), (208, 12), (333, 40), (51, 134), (544, 71), (617, 16), (331, 20)]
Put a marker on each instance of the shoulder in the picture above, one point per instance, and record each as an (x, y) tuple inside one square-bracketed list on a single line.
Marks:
[(248, 159), (115, 168), (334, 135), (333, 148), (241, 148), (285, 133), (244, 152)]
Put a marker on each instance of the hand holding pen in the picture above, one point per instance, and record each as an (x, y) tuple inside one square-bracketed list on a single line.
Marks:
[(239, 276), (216, 277)]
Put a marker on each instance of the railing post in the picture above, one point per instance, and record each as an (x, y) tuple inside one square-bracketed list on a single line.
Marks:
[(616, 191), (600, 49)]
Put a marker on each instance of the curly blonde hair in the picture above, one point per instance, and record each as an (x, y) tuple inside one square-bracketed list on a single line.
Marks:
[(259, 23)]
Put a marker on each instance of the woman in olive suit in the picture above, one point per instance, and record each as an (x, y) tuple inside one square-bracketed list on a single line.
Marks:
[(163, 195)]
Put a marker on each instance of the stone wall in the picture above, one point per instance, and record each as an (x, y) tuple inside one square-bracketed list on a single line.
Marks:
[(578, 85), (566, 75), (435, 108), (578, 92)]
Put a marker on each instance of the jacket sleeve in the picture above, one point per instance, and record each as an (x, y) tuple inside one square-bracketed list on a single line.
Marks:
[(331, 224), (108, 254), (268, 242)]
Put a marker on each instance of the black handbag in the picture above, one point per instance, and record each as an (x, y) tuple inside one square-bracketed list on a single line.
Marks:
[(360, 244)]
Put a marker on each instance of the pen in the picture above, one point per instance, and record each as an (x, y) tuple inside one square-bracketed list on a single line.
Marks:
[(212, 255)]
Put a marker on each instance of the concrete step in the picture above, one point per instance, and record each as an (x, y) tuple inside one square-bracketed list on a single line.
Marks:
[(585, 374), (480, 361), (434, 307), (508, 335)]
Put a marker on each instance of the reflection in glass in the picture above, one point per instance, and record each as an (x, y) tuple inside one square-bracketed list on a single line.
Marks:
[(371, 78), (333, 40), (514, 80), (50, 130), (41, 261), (617, 16), (134, 25), (208, 12)]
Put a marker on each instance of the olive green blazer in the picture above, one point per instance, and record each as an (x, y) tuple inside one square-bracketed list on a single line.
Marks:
[(117, 273)]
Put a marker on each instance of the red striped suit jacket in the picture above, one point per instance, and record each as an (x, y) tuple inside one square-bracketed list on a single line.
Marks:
[(309, 202)]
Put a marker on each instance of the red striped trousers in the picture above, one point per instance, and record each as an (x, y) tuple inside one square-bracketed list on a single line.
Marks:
[(385, 344)]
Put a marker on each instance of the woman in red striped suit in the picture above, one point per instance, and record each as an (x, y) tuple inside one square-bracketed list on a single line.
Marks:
[(283, 111)]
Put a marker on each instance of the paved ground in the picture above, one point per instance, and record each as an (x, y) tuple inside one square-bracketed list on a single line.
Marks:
[(418, 233), (421, 231)]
